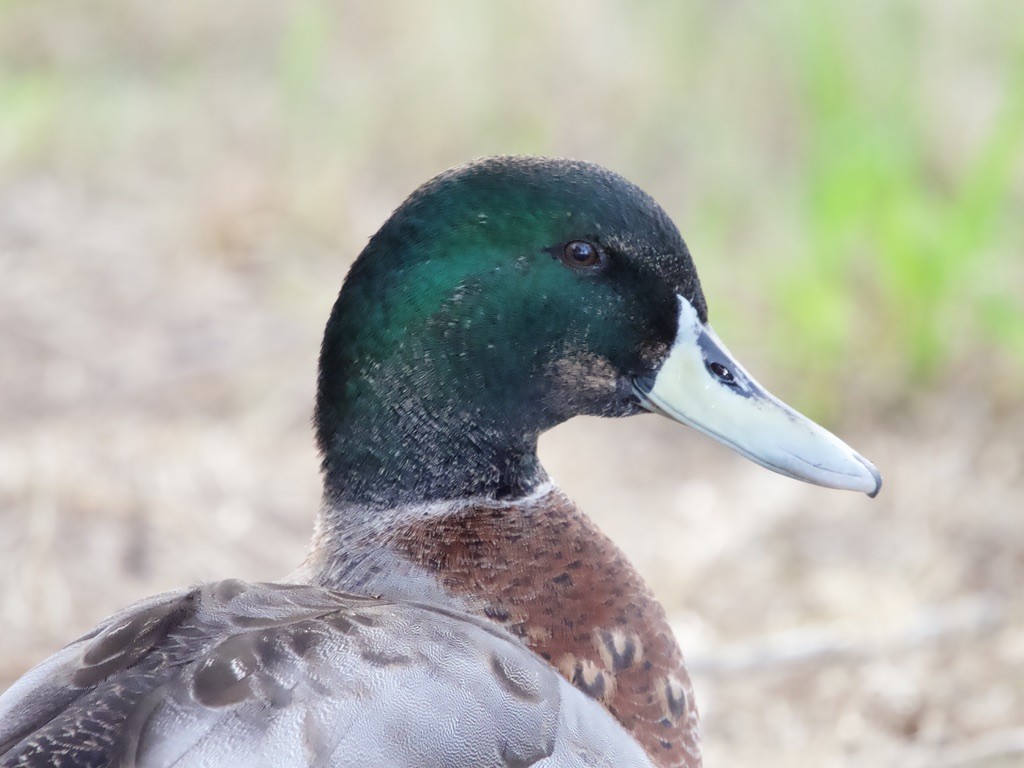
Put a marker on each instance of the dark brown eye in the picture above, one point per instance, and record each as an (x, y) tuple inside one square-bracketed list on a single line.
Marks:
[(580, 253)]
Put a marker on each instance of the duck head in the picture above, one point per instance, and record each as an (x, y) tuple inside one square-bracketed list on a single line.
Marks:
[(508, 295)]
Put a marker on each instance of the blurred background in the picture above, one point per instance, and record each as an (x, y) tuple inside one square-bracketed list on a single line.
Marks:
[(183, 186)]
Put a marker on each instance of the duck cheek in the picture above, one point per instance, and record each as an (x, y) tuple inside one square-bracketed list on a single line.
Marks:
[(701, 385), (586, 384)]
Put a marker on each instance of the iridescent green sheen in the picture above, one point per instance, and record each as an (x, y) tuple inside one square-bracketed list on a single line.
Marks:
[(460, 335)]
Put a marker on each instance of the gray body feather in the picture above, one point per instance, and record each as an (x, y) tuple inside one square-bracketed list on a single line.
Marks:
[(234, 674)]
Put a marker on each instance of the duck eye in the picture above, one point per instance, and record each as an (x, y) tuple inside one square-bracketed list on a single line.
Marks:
[(580, 253), (722, 373)]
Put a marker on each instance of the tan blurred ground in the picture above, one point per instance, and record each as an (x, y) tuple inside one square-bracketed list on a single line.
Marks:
[(182, 190)]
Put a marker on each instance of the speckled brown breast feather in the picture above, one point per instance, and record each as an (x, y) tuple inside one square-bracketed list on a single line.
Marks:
[(546, 573)]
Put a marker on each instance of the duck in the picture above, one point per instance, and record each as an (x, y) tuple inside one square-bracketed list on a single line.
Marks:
[(456, 607)]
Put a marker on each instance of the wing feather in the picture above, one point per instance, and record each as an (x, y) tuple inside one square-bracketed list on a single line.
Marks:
[(291, 676)]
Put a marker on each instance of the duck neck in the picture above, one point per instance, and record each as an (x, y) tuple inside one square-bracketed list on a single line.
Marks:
[(421, 424), (415, 455)]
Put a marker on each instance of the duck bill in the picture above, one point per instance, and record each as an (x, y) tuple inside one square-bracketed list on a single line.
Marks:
[(700, 384)]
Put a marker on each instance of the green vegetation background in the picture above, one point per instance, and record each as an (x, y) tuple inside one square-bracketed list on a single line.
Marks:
[(849, 175)]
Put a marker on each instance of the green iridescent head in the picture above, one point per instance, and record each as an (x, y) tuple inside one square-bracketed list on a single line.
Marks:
[(502, 298)]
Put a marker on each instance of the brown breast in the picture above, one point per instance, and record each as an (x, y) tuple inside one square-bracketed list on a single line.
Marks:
[(547, 574)]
